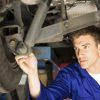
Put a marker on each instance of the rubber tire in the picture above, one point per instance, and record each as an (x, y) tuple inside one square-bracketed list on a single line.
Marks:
[(9, 78)]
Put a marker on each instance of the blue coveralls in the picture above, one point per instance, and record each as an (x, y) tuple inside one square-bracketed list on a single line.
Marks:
[(71, 82)]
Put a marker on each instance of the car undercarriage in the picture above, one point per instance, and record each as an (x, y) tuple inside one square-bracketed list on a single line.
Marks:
[(28, 23)]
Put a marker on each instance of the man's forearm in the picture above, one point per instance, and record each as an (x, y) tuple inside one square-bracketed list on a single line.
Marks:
[(34, 84)]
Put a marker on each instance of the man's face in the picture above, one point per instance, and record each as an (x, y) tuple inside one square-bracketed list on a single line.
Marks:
[(87, 52)]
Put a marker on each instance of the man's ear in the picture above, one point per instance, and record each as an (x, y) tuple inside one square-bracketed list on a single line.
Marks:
[(99, 48)]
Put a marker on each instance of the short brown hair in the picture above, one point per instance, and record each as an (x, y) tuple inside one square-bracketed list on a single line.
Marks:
[(91, 30)]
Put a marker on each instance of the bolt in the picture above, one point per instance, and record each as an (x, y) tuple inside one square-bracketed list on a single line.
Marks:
[(21, 48), (12, 43), (66, 24)]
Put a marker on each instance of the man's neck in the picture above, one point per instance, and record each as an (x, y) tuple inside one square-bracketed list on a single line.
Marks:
[(94, 69)]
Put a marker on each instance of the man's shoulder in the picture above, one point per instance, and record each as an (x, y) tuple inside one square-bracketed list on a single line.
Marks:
[(74, 66), (72, 69)]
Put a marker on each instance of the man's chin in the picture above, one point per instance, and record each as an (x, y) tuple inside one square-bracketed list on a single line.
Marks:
[(84, 66)]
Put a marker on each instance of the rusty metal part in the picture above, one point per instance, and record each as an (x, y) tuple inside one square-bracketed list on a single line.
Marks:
[(97, 4), (30, 2), (16, 6), (36, 25), (22, 49), (63, 10), (56, 32)]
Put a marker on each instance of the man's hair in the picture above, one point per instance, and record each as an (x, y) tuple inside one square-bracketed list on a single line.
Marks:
[(91, 30)]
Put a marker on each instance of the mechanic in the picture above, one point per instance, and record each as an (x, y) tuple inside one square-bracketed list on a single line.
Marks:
[(79, 81)]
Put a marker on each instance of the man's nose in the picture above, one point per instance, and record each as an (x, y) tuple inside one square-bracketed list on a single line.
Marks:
[(80, 52)]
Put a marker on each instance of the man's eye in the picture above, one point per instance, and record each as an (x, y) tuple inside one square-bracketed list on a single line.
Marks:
[(85, 47)]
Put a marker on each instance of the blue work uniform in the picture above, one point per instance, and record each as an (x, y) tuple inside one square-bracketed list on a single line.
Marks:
[(71, 82)]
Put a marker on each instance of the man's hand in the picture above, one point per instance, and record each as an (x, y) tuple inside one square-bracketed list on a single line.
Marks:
[(28, 63)]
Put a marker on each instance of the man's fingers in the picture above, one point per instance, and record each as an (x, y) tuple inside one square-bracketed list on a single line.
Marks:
[(21, 63), (23, 56), (32, 55), (20, 57)]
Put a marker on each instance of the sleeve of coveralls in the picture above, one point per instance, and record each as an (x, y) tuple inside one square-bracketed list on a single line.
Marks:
[(58, 90)]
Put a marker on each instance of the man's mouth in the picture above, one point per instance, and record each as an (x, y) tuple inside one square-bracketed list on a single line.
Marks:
[(83, 61)]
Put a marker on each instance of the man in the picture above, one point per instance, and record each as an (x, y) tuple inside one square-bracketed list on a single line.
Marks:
[(79, 81)]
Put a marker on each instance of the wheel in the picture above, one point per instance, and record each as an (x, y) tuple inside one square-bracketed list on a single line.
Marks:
[(10, 73)]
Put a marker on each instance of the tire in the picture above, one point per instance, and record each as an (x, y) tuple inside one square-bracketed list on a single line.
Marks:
[(10, 73)]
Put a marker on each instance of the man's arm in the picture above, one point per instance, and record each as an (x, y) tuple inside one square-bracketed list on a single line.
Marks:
[(28, 63), (58, 90)]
